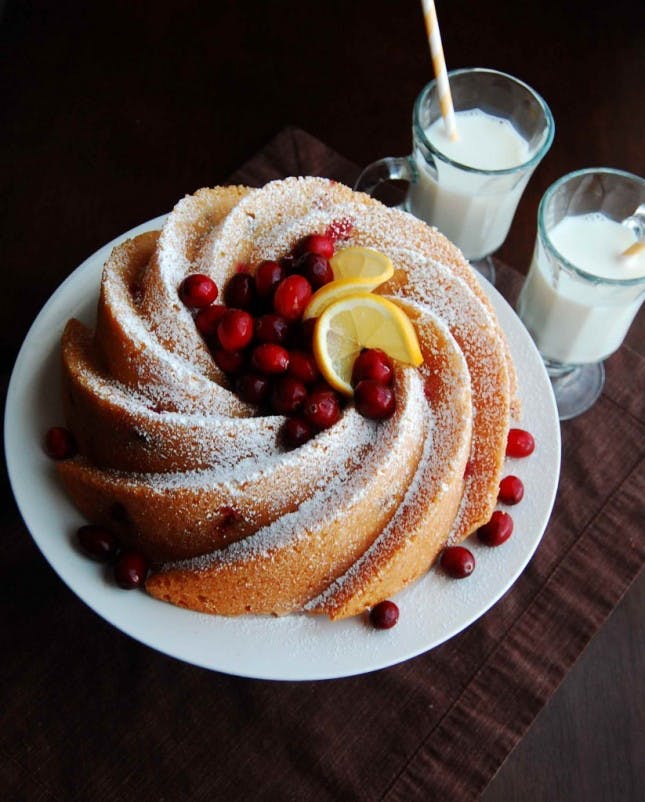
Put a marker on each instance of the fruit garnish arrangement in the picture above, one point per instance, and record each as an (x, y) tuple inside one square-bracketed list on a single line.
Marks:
[(351, 442)]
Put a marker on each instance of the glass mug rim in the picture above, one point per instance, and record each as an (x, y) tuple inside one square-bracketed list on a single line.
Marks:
[(543, 234), (419, 133)]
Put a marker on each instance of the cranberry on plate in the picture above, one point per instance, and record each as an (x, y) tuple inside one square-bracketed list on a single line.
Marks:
[(59, 443), (520, 443), (511, 490), (130, 570), (384, 615), (457, 561), (497, 530)]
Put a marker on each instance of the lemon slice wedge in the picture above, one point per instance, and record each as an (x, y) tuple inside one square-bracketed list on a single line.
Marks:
[(355, 269), (362, 264), (356, 321)]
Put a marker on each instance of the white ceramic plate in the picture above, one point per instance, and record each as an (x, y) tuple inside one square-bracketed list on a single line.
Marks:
[(295, 647)]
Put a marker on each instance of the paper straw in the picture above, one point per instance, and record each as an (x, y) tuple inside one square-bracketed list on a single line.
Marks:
[(439, 65), (634, 248)]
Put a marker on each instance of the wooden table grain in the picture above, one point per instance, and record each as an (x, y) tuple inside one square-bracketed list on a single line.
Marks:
[(113, 110)]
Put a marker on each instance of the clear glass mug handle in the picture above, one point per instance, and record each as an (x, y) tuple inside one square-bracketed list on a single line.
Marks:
[(391, 168)]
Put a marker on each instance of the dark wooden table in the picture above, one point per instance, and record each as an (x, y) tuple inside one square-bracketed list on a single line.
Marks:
[(111, 111)]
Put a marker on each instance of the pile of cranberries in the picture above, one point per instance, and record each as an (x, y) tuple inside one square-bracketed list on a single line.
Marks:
[(457, 561), (259, 339)]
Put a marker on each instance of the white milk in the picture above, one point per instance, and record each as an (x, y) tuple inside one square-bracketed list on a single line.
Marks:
[(574, 321), (473, 210)]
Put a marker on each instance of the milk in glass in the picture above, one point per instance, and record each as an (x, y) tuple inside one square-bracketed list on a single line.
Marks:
[(472, 208), (575, 321)]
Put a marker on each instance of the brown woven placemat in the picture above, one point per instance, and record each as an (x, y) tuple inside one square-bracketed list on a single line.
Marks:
[(89, 714)]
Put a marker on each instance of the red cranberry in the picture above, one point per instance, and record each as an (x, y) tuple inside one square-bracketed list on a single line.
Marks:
[(235, 329), (207, 319), (287, 395), (497, 530), (372, 363), (291, 297), (198, 290), (320, 244), (297, 431), (240, 291), (98, 542), (511, 490), (229, 361), (267, 277), (374, 400), (322, 408), (229, 516), (457, 562), (252, 388), (302, 365), (130, 570), (305, 334), (270, 358), (384, 615), (60, 443), (323, 386), (520, 443), (339, 229), (272, 328), (288, 264), (316, 269)]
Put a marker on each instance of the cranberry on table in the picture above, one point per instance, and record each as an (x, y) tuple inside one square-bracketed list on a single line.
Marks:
[(384, 615), (497, 530), (240, 291), (316, 269), (198, 290), (322, 408), (457, 561), (292, 296), (130, 570), (59, 443), (375, 364), (271, 328), (297, 431), (287, 395), (302, 365), (267, 277), (520, 443), (208, 318), (511, 490), (270, 359), (232, 362), (235, 330), (319, 244), (374, 400), (253, 388), (98, 542)]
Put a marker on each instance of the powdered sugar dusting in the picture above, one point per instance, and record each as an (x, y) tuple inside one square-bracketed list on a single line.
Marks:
[(196, 448)]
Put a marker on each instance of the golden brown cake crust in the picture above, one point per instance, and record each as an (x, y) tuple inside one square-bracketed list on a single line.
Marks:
[(191, 476)]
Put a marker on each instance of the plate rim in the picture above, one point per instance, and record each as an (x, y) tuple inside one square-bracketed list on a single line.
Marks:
[(93, 264)]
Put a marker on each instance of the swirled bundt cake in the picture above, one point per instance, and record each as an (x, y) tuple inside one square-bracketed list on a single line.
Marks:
[(211, 443)]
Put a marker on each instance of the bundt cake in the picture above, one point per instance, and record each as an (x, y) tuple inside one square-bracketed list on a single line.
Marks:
[(236, 512)]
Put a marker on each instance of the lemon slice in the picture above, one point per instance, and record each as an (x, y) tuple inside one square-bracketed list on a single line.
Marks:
[(355, 269), (363, 265), (357, 321)]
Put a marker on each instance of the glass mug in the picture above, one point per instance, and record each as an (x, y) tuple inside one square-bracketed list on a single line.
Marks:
[(473, 206), (584, 287)]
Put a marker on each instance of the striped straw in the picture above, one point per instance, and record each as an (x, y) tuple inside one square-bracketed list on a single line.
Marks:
[(634, 249), (439, 65)]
